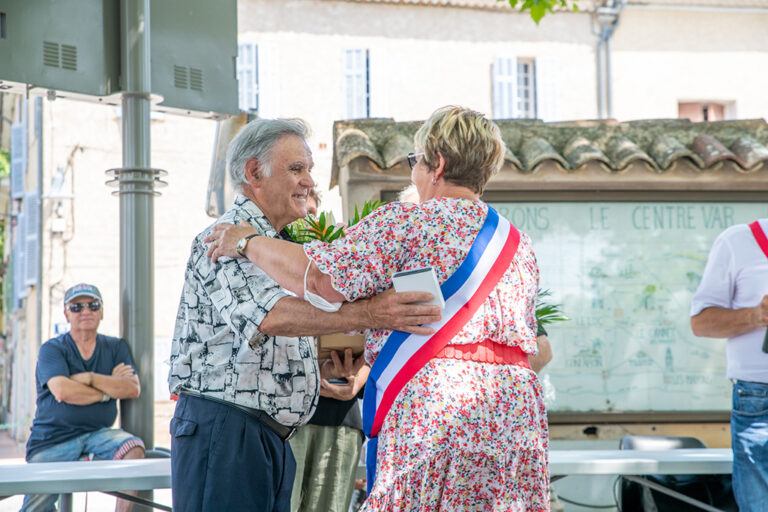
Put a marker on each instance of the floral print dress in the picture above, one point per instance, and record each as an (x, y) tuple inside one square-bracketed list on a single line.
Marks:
[(461, 435)]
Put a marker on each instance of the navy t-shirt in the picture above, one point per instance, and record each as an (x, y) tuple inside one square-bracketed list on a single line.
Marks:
[(56, 422)]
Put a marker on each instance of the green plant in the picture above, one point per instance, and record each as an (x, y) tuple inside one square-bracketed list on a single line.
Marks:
[(546, 313), (324, 227)]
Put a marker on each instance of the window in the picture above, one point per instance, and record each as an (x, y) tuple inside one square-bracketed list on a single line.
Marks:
[(703, 111), (248, 76), (357, 101), (526, 88), (514, 88)]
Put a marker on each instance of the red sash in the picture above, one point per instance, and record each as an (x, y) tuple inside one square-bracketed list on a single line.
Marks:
[(760, 237)]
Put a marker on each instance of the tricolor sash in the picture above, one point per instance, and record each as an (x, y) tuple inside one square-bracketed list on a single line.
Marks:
[(403, 354), (759, 234)]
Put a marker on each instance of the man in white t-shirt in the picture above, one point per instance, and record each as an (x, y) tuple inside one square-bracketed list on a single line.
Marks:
[(732, 302)]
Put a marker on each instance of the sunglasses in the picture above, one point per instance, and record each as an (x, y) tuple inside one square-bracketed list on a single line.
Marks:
[(413, 159), (77, 307)]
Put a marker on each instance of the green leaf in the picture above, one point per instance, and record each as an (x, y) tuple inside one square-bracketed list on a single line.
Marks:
[(547, 313)]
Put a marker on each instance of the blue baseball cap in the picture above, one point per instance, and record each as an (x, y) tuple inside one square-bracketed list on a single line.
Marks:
[(81, 290)]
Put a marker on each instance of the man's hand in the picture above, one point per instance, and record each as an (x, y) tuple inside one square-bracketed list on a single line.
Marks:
[(335, 368), (401, 311), (85, 378), (760, 312), (122, 370), (224, 238), (355, 381)]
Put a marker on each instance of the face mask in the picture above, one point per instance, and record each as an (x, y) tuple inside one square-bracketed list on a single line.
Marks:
[(316, 300)]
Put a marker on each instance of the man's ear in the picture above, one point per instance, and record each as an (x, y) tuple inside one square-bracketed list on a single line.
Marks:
[(253, 171)]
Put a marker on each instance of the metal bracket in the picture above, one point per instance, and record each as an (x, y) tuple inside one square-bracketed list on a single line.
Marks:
[(136, 180)]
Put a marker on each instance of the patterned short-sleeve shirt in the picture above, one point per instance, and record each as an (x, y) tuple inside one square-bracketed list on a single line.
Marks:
[(217, 347)]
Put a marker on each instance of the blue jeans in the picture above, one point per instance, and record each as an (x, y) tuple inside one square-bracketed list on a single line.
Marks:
[(749, 439), (107, 444)]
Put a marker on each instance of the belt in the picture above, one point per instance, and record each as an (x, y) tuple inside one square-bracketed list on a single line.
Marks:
[(486, 351), (283, 432)]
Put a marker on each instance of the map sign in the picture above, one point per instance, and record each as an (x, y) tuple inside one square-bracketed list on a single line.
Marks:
[(625, 273)]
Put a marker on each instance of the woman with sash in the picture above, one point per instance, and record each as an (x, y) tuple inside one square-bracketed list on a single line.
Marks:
[(456, 419)]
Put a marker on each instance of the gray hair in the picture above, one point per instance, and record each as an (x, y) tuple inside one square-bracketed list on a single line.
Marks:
[(256, 140)]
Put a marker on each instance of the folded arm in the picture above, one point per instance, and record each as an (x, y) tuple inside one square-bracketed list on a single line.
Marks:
[(122, 383)]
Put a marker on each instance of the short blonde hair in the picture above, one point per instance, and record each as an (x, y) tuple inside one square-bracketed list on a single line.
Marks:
[(470, 143)]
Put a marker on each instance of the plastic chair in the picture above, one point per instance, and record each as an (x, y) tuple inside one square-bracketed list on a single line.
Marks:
[(712, 489)]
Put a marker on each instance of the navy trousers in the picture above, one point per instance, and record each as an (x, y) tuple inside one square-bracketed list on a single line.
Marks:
[(223, 459)]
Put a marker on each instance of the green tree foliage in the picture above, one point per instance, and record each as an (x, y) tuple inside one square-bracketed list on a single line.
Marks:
[(539, 8)]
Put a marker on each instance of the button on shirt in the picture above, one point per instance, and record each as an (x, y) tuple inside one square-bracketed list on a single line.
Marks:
[(736, 277), (217, 347)]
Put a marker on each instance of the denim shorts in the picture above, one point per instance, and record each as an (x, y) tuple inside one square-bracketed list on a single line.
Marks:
[(749, 438), (106, 444)]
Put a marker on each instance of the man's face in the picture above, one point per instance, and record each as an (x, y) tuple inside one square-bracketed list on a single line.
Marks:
[(85, 320), (283, 195)]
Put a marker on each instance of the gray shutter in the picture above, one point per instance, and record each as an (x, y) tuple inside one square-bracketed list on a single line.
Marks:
[(31, 238), (248, 76), (504, 88), (18, 159)]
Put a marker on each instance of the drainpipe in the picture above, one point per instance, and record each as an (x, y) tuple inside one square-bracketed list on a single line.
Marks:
[(607, 18)]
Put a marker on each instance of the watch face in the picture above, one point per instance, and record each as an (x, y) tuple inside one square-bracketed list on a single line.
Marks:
[(240, 245)]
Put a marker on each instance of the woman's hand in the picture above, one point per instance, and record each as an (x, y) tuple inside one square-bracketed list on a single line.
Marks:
[(224, 238)]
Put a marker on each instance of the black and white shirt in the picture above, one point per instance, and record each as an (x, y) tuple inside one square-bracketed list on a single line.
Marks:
[(217, 347)]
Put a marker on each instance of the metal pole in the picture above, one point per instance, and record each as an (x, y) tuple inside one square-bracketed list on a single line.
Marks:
[(136, 216)]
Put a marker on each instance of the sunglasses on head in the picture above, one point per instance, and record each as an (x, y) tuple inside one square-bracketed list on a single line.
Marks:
[(77, 307)]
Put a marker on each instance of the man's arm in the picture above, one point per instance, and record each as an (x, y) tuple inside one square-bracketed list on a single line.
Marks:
[(123, 383), (388, 310), (70, 391), (716, 322)]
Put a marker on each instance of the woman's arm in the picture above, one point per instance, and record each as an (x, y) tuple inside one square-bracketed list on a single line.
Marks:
[(283, 261)]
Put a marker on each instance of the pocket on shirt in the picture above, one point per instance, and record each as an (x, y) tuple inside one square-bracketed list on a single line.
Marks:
[(181, 427)]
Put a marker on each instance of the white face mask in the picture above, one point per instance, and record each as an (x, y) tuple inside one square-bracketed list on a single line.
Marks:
[(316, 300)]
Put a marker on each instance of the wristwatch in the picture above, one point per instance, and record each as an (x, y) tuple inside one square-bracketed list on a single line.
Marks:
[(105, 397), (243, 243)]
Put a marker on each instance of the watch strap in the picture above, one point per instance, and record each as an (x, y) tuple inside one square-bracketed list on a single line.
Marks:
[(243, 244)]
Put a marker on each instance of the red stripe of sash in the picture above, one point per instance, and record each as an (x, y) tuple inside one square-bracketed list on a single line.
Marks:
[(762, 240)]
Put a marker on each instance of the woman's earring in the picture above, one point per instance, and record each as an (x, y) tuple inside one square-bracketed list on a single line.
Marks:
[(434, 181)]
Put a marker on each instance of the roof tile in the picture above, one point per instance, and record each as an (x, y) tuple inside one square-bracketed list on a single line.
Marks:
[(660, 144)]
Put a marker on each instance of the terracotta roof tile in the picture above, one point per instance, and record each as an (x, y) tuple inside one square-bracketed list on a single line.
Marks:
[(659, 144)]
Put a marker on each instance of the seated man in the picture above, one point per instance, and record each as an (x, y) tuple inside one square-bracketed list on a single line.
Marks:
[(80, 375)]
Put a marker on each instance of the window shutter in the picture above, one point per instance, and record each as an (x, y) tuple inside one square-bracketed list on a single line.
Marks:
[(248, 76), (378, 84), (19, 289), (31, 239), (356, 83), (546, 88), (18, 159), (268, 72), (504, 88)]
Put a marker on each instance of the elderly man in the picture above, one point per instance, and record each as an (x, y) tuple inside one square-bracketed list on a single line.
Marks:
[(244, 370), (732, 302), (80, 375)]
